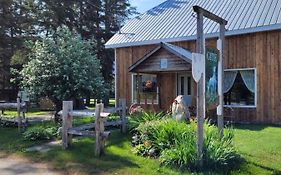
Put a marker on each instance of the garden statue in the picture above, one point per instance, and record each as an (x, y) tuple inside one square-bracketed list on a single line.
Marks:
[(180, 111)]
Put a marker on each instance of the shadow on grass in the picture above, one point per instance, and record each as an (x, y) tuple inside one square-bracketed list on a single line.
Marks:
[(80, 157), (274, 171)]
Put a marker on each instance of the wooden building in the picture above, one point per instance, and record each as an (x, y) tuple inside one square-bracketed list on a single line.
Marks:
[(153, 56)]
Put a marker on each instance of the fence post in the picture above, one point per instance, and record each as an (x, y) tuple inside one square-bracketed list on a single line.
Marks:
[(123, 116), (18, 112), (67, 109), (102, 106), (98, 130)]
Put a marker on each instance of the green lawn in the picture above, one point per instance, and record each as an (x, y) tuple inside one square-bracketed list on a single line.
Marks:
[(259, 145), (32, 112)]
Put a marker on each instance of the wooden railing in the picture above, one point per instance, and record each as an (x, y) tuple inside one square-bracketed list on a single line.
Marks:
[(99, 126), (20, 118)]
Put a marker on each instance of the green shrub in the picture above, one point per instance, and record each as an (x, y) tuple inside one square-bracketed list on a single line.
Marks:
[(175, 144), (40, 133), (141, 117)]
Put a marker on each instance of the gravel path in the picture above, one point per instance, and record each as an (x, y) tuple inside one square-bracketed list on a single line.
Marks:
[(19, 166)]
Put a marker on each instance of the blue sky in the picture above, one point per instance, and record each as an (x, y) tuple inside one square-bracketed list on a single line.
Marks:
[(144, 5)]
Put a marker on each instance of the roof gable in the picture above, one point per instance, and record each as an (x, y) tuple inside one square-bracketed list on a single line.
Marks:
[(181, 60), (174, 20)]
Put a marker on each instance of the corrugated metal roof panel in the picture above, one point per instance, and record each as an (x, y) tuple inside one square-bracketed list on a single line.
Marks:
[(174, 20)]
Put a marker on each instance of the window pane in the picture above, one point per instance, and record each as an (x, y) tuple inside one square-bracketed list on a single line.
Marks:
[(239, 94), (189, 85), (145, 88)]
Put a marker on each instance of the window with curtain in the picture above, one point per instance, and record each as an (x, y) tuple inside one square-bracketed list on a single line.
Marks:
[(144, 89), (240, 87)]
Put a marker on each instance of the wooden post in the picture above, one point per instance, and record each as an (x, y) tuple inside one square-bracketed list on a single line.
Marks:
[(102, 106), (200, 87), (19, 116), (220, 81), (98, 149), (67, 109), (123, 116), (200, 91)]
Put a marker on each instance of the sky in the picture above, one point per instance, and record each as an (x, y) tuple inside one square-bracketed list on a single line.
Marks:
[(144, 5)]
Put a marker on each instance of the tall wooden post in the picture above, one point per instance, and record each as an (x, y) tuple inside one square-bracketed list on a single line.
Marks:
[(123, 116), (98, 149), (200, 87), (220, 80), (67, 108), (200, 91), (18, 113)]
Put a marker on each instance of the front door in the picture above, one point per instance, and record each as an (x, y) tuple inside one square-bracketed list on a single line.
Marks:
[(184, 86)]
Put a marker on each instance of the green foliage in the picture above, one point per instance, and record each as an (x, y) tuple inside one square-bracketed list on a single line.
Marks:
[(141, 117), (175, 144), (40, 133), (63, 67)]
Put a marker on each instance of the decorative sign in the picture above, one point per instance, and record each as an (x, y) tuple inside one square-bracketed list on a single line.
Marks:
[(198, 64), (211, 77), (163, 63)]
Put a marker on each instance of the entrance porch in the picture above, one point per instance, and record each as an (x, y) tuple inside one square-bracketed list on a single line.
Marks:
[(160, 76)]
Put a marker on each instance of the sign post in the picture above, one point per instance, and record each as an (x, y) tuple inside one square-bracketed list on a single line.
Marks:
[(200, 86)]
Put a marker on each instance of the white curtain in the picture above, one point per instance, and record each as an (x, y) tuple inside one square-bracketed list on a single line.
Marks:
[(248, 77), (229, 78)]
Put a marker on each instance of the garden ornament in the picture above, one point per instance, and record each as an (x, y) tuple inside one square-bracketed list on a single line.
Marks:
[(180, 111)]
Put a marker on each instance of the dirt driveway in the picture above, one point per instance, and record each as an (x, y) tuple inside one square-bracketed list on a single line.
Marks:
[(20, 166)]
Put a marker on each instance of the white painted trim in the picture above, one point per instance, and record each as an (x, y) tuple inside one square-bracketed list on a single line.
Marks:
[(115, 78), (256, 92), (193, 37), (240, 106), (186, 75), (132, 87)]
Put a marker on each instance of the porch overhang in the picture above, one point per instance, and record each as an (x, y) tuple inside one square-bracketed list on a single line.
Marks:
[(177, 59)]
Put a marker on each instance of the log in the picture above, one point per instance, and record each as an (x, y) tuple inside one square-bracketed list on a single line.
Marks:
[(11, 105)]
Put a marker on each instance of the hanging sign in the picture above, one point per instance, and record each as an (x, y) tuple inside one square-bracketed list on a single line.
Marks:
[(198, 64), (211, 77)]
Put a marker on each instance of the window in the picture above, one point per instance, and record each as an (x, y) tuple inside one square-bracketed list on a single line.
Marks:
[(240, 88), (184, 84), (144, 89)]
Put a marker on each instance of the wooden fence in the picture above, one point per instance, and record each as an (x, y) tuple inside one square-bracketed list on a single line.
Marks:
[(99, 126), (21, 109)]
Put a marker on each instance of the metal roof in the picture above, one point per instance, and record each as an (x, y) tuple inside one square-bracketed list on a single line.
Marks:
[(174, 20)]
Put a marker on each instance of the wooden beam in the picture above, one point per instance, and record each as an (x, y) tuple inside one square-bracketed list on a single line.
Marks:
[(209, 15), (221, 76), (200, 91), (123, 116)]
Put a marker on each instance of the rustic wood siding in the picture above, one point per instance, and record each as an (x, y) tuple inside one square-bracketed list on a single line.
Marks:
[(152, 64), (259, 50)]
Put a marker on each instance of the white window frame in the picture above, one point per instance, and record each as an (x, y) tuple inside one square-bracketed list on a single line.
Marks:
[(188, 74), (132, 89), (245, 106)]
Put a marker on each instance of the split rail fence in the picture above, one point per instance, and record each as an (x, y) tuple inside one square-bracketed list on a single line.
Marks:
[(20, 119), (99, 133)]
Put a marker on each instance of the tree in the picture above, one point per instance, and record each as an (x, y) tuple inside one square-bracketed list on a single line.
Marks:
[(63, 67)]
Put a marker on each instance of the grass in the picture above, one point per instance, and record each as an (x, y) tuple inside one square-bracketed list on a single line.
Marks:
[(32, 112), (260, 146)]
